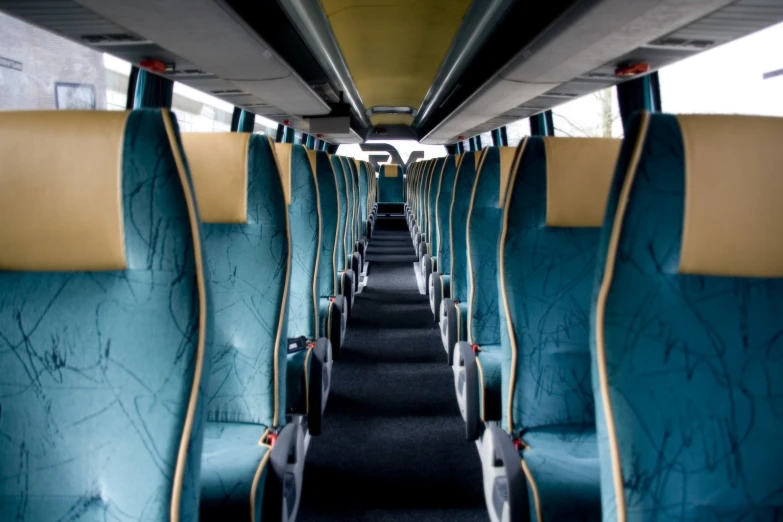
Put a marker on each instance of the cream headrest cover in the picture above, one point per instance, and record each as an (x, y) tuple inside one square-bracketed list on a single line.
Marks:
[(218, 165), (578, 178), (390, 171), (61, 191), (283, 152), (733, 196)]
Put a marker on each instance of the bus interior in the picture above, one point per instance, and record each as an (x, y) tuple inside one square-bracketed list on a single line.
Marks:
[(391, 260)]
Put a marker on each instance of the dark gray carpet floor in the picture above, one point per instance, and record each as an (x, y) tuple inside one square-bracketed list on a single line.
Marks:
[(393, 445)]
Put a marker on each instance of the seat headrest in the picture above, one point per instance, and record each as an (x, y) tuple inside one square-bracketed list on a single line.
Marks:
[(506, 160), (312, 157), (733, 195), (61, 191), (391, 171), (578, 176), (283, 157), (218, 165)]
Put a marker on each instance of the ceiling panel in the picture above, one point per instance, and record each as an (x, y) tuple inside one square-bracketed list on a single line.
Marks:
[(393, 48)]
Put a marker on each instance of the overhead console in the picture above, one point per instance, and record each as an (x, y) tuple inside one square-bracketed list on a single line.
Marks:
[(203, 44), (582, 51)]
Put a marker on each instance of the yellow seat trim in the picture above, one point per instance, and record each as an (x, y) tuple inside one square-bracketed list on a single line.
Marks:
[(187, 430), (502, 273), (600, 317), (281, 321)]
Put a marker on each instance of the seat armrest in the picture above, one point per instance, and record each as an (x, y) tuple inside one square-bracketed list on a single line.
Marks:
[(340, 315), (505, 487), (466, 383), (283, 480), (318, 384), (347, 285)]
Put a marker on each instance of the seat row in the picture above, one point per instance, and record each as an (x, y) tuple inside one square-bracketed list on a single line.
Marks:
[(612, 312), (171, 309)]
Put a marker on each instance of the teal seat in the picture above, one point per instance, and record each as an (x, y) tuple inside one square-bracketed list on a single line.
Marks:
[(366, 175), (410, 182), (687, 315), (549, 236), (435, 271), (359, 243), (442, 184), (309, 354), (414, 173), (246, 243), (333, 310), (454, 309), (348, 264), (390, 181), (104, 323), (427, 253), (477, 360), (421, 205)]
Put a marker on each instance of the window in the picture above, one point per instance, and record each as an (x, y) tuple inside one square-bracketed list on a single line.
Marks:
[(265, 126), (595, 115), (742, 77), (41, 70), (517, 130), (200, 112), (398, 151), (486, 139), (117, 78)]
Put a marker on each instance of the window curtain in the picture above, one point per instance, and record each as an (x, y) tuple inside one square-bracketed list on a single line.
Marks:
[(152, 91), (639, 94), (247, 121)]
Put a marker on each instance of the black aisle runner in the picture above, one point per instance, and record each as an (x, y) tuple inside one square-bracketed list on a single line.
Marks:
[(393, 445)]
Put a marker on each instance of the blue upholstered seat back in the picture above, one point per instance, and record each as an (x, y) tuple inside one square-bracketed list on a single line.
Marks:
[(101, 394), (432, 200), (350, 208), (688, 366), (305, 225), (361, 168), (545, 282), (443, 215), (249, 265), (343, 253), (424, 186), (390, 181), (355, 188), (350, 184), (483, 233), (460, 204), (330, 219)]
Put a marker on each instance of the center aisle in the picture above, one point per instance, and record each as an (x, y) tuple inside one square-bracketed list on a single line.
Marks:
[(393, 445)]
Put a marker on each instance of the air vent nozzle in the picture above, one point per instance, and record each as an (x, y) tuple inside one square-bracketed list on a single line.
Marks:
[(684, 43)]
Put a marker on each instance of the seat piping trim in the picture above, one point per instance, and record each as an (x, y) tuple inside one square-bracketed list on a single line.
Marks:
[(187, 429), (534, 489), (600, 315), (502, 268), (471, 293), (281, 320)]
